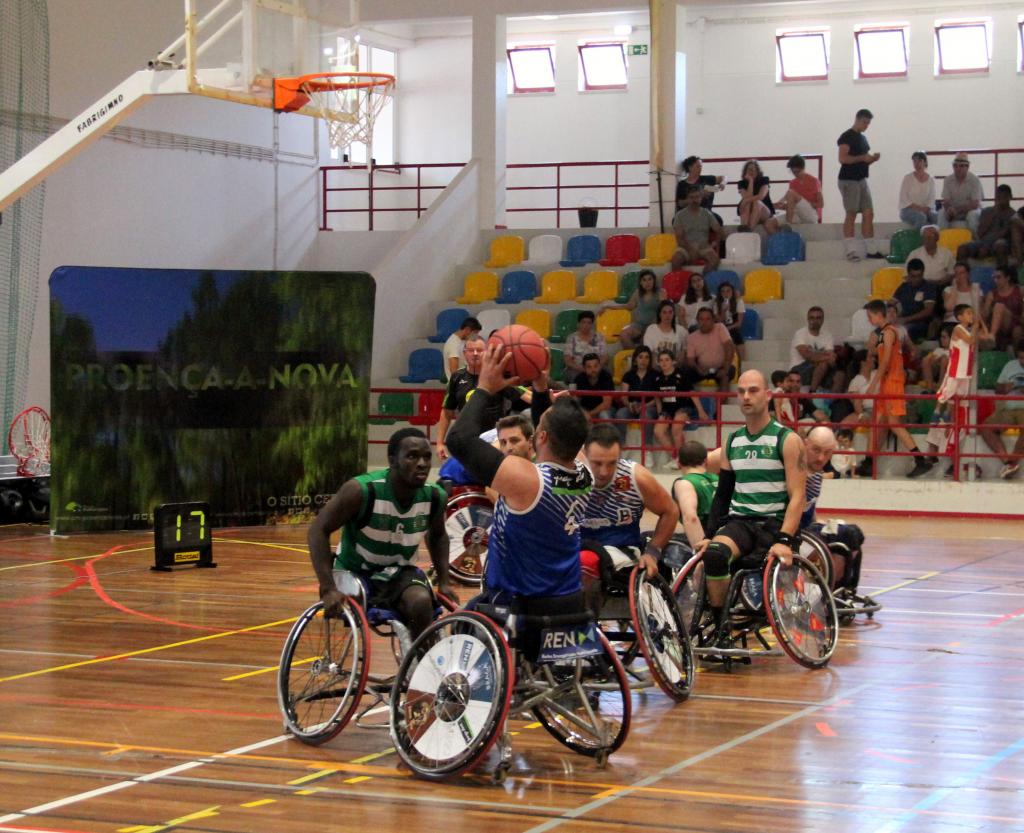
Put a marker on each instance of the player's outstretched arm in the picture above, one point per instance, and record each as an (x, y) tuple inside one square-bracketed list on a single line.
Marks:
[(796, 487), (339, 510), (686, 499)]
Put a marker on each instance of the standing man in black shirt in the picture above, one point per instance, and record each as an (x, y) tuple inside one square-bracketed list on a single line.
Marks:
[(854, 159)]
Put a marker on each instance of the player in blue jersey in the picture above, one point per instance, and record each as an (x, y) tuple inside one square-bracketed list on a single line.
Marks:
[(533, 550)]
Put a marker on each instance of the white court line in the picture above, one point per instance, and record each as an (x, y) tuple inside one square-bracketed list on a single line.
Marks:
[(941, 613), (869, 588)]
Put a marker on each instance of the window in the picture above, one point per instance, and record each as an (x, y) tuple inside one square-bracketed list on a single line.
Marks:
[(963, 46), (369, 59), (1020, 45), (603, 66), (531, 69), (881, 51), (801, 56)]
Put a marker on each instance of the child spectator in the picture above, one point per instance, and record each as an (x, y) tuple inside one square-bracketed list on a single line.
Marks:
[(934, 364), (729, 310), (843, 458), (696, 298), (674, 411)]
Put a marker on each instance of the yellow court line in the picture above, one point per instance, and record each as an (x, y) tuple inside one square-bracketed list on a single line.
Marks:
[(261, 544), (925, 577), (264, 670), (141, 651), (358, 779), (259, 802), (320, 773), (307, 792), (134, 829), (74, 558), (373, 757)]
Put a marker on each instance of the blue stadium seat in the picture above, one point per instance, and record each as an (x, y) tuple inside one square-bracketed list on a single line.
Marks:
[(517, 287), (425, 365), (448, 321), (752, 328), (783, 247), (982, 275), (582, 249), (715, 279)]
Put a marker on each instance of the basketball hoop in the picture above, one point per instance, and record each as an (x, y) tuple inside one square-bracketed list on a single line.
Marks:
[(348, 101), (29, 442)]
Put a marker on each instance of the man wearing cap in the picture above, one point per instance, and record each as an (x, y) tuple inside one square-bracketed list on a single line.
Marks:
[(855, 157), (938, 261), (962, 196)]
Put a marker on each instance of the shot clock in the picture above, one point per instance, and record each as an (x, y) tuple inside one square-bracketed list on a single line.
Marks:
[(182, 535)]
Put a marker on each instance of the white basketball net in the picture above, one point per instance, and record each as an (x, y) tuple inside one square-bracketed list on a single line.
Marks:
[(350, 113), (29, 442)]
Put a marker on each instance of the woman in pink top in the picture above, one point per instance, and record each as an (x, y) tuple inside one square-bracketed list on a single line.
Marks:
[(803, 200)]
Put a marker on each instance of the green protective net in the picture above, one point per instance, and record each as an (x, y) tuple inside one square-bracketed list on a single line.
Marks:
[(24, 93)]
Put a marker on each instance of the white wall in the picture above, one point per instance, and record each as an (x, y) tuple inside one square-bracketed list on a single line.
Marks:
[(735, 107)]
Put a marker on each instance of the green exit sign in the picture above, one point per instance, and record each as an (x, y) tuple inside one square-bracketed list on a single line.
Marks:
[(638, 49)]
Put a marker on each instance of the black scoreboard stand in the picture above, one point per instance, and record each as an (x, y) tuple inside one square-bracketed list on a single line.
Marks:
[(182, 536)]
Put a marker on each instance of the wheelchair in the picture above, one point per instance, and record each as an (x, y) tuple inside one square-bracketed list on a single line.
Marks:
[(794, 602), (468, 517), (325, 664), (835, 549), (472, 671)]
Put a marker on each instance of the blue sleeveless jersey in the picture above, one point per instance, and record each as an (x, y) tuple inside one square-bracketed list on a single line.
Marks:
[(613, 513), (537, 552)]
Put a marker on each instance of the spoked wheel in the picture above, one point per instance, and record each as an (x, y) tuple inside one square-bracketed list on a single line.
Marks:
[(589, 704), (801, 611), (817, 552), (468, 518), (690, 591), (662, 634), (323, 672), (451, 695)]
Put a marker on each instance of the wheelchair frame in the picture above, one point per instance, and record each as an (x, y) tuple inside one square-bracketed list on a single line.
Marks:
[(849, 603), (468, 515)]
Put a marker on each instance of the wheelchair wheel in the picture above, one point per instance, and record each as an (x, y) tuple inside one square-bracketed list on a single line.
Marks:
[(451, 695), (662, 634), (690, 591), (589, 704), (817, 552), (801, 611), (323, 672), (468, 518)]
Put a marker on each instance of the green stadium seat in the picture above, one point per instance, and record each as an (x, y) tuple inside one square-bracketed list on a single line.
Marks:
[(902, 243), (990, 365), (565, 323)]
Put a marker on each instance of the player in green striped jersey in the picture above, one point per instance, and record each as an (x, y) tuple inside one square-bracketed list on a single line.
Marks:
[(760, 494), (385, 515)]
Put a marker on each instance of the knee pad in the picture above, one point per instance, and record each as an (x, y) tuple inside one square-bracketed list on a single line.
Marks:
[(716, 560)]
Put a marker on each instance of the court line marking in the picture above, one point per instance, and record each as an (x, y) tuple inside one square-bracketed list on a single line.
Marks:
[(131, 659), (260, 544), (65, 560), (909, 581), (259, 802)]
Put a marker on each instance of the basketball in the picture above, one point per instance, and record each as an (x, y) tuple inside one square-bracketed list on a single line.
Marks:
[(529, 352)]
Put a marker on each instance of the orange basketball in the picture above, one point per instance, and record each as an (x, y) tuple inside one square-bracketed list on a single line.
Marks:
[(529, 352)]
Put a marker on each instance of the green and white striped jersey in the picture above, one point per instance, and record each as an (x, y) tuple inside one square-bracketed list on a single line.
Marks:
[(760, 472), (385, 536)]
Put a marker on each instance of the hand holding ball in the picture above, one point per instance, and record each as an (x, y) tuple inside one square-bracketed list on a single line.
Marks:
[(529, 352)]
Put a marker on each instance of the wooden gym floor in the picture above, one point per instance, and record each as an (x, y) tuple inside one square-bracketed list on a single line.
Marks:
[(137, 702)]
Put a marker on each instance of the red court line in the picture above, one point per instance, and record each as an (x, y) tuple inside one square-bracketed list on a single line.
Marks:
[(81, 578), (106, 704), (6, 828), (825, 729), (919, 513), (1016, 614)]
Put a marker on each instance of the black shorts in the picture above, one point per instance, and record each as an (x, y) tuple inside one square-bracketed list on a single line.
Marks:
[(752, 536), (386, 594)]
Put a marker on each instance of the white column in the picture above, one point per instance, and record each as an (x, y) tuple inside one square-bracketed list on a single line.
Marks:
[(489, 114), (668, 103)]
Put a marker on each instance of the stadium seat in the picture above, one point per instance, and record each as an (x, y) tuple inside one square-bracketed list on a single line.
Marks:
[(545, 249), (658, 249), (743, 247), (493, 319), (393, 407), (620, 364), (599, 286), (752, 328), (479, 288), (611, 322), (425, 365), (954, 238), (428, 409), (538, 320), (517, 287), (621, 249), (990, 365), (556, 287), (762, 285), (983, 277), (675, 284), (713, 280), (581, 250), (885, 281), (565, 323), (627, 286), (448, 321), (506, 251), (557, 372), (782, 248), (902, 243)]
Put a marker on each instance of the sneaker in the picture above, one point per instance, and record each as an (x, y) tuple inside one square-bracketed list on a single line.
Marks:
[(853, 256), (876, 255), (1009, 470), (922, 465)]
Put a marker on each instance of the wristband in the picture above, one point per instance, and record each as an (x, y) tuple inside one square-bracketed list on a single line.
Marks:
[(790, 541), (653, 552)]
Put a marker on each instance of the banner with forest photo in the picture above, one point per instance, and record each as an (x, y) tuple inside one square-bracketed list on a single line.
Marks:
[(245, 389)]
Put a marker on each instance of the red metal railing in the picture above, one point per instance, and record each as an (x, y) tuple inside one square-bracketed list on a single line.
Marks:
[(992, 159), (775, 165)]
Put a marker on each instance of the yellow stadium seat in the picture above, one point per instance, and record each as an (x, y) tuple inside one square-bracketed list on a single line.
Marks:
[(621, 364), (611, 322), (479, 288), (506, 251), (762, 285), (658, 249), (885, 281), (538, 320), (599, 286), (954, 238), (556, 287)]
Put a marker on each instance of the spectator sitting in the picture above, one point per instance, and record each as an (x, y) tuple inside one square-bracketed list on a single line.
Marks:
[(755, 206), (916, 298), (674, 411), (803, 200), (999, 232), (664, 333), (696, 298), (456, 341), (860, 409), (1002, 308), (794, 412), (860, 329), (812, 352), (1008, 412), (729, 310), (595, 378), (933, 366), (708, 185), (697, 233), (938, 260), (962, 196), (641, 377), (643, 303), (917, 194), (585, 340), (961, 291), (710, 351)]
